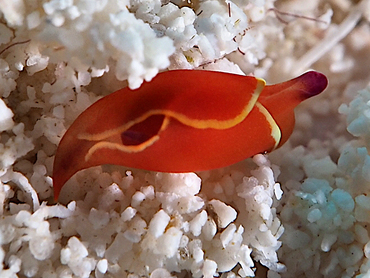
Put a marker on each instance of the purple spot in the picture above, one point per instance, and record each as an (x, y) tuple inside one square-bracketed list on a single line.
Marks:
[(313, 83)]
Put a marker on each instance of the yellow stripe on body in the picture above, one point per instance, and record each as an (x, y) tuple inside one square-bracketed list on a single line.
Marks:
[(275, 129), (124, 148), (200, 124)]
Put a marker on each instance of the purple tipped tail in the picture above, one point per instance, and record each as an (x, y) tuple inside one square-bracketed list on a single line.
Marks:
[(313, 83)]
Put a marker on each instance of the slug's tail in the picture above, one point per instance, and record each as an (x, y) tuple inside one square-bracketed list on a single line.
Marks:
[(281, 99)]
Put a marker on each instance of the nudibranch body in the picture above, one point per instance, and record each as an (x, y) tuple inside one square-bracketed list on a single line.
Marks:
[(184, 121)]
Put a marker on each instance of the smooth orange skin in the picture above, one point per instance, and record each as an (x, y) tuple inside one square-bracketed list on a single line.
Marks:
[(201, 94)]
